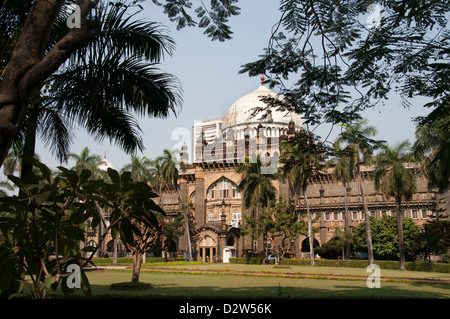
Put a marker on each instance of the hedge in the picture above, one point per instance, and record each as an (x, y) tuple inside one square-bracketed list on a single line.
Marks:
[(384, 264), (129, 260)]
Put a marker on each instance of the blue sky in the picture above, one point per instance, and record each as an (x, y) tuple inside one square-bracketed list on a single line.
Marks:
[(208, 73)]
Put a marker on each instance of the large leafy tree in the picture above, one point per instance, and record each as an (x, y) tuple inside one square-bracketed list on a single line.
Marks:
[(286, 226), (395, 180), (27, 28), (42, 229), (125, 196), (432, 148), (333, 59), (122, 60), (385, 237)]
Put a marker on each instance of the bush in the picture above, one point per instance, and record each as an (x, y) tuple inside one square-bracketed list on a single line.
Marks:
[(384, 264), (129, 260), (247, 260)]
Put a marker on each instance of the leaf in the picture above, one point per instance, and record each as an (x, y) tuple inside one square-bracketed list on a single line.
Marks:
[(114, 232), (85, 285), (95, 220), (49, 280), (84, 175), (126, 177), (114, 175), (79, 217), (42, 197)]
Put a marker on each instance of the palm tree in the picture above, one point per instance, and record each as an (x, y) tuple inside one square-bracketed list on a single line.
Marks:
[(86, 161), (121, 60), (393, 179), (344, 168), (169, 168), (432, 148), (139, 168), (357, 138), (258, 190), (156, 177), (300, 159)]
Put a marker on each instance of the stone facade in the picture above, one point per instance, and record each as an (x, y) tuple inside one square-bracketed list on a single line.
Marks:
[(215, 207)]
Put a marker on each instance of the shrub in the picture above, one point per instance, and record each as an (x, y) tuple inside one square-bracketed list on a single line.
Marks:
[(384, 264)]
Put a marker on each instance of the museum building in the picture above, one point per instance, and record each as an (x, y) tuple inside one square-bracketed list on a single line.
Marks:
[(208, 186)]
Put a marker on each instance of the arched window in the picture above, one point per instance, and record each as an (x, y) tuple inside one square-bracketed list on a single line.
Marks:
[(223, 188), (212, 191), (236, 216), (211, 216)]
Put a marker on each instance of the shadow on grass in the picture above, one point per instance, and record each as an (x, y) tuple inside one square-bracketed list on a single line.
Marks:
[(169, 290)]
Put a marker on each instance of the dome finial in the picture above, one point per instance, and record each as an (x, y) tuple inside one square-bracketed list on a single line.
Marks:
[(262, 78)]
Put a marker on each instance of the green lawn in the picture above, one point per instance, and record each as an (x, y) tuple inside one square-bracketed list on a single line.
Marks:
[(194, 285)]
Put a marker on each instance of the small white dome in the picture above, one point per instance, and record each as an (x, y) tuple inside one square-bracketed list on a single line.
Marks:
[(240, 112), (105, 164)]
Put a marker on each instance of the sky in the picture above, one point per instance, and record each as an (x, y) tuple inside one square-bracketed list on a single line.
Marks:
[(208, 74)]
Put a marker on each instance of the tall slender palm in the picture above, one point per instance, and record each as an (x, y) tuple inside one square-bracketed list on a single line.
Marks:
[(102, 86), (344, 168), (300, 159), (169, 167), (394, 180), (139, 168), (357, 137), (258, 190)]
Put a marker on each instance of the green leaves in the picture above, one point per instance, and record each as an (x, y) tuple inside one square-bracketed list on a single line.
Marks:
[(331, 66), (42, 229), (213, 19)]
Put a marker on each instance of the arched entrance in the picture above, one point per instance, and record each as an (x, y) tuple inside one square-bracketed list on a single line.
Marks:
[(305, 250), (207, 245)]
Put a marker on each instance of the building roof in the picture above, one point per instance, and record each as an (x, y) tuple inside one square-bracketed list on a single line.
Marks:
[(240, 112)]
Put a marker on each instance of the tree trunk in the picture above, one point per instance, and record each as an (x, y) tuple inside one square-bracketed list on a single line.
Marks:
[(29, 67), (366, 214), (137, 261), (29, 146), (401, 240), (186, 224), (310, 229), (346, 254)]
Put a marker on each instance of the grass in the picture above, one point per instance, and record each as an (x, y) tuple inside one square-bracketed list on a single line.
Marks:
[(264, 281)]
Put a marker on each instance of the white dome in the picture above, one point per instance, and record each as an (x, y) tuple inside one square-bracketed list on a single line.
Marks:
[(104, 165), (240, 112)]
